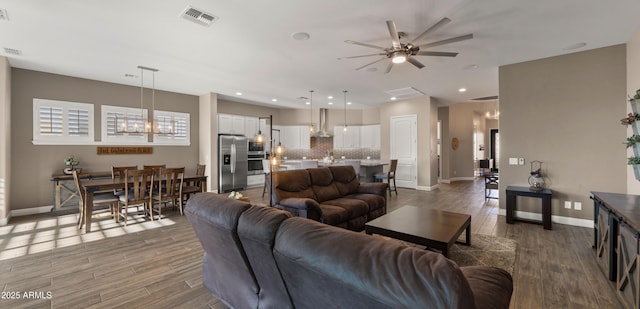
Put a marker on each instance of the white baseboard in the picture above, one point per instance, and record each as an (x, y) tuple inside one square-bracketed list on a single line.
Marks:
[(554, 218), (444, 180), (425, 188), (4, 221), (30, 211), (462, 178)]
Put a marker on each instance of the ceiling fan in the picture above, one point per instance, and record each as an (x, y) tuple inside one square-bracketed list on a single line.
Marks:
[(400, 52)]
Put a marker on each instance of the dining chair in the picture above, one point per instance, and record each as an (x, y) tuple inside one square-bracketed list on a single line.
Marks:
[(169, 183), (98, 199), (117, 172), (391, 174), (138, 184), (192, 187), (155, 168), (491, 182)]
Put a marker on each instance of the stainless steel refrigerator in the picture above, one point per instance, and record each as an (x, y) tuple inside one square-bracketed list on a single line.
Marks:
[(232, 163)]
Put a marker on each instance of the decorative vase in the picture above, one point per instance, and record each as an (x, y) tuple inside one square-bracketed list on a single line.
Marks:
[(636, 170), (635, 106)]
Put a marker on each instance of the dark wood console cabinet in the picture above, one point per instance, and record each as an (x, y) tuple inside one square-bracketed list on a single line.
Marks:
[(616, 224)]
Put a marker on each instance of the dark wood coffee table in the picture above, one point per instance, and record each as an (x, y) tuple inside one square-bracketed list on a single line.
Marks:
[(437, 229)]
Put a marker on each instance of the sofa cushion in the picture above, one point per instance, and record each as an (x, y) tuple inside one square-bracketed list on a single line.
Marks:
[(324, 265), (345, 178), (257, 231), (295, 183), (323, 185), (374, 201), (491, 286), (334, 215), (215, 219), (354, 207)]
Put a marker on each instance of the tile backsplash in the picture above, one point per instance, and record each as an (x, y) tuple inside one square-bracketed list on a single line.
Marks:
[(321, 145)]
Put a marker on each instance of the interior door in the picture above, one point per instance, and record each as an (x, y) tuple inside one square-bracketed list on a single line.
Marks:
[(404, 148)]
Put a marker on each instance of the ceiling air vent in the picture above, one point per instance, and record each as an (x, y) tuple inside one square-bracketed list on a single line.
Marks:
[(405, 93), (3, 14), (198, 16), (12, 51)]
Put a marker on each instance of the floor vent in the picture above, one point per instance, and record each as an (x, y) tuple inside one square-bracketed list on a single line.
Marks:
[(198, 16), (405, 93)]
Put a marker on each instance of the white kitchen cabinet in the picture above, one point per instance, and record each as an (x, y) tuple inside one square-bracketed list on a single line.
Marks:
[(295, 137), (250, 126), (231, 124), (346, 139), (370, 136)]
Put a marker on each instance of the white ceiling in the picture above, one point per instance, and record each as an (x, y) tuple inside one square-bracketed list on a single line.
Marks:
[(249, 49)]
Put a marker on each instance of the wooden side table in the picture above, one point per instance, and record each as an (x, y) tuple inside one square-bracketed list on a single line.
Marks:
[(544, 195)]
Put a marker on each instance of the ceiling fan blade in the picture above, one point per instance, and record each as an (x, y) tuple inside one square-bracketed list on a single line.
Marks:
[(395, 38), (433, 28), (415, 62), (370, 63), (351, 57), (437, 54), (389, 67), (447, 41), (364, 44)]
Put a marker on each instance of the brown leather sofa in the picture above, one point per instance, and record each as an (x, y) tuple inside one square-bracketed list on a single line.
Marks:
[(331, 195), (261, 257)]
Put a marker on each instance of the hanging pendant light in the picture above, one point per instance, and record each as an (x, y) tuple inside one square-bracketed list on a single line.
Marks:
[(144, 124), (345, 111)]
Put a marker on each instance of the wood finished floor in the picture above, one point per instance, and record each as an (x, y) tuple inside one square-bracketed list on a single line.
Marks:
[(158, 264)]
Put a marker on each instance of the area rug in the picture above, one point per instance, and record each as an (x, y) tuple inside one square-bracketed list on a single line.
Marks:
[(486, 250)]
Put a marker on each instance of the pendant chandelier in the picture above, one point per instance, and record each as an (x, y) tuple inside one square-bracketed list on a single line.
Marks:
[(142, 124)]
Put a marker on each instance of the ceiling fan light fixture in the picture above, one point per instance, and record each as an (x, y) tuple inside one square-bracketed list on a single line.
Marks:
[(399, 57)]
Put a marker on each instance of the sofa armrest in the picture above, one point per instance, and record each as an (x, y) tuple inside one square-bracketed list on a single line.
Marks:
[(301, 207), (379, 188)]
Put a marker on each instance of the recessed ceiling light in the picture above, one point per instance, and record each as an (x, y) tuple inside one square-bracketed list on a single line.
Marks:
[(330, 103), (300, 36), (274, 100), (330, 97), (576, 46), (393, 98), (238, 93), (348, 103), (462, 89), (307, 103)]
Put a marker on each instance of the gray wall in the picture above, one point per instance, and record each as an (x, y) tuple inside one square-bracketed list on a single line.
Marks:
[(33, 165), (565, 111)]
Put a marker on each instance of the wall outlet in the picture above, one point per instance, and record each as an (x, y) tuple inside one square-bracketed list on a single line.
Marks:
[(513, 161), (567, 204), (521, 161), (577, 206)]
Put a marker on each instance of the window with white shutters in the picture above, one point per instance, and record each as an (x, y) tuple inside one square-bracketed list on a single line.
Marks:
[(62, 123), (177, 122), (116, 119)]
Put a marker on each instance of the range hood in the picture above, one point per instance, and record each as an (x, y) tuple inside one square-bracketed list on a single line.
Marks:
[(322, 130)]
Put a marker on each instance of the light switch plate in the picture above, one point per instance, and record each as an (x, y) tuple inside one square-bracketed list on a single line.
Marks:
[(513, 161), (577, 206), (521, 161)]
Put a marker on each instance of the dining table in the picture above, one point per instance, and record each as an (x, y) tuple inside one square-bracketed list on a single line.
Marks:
[(97, 185)]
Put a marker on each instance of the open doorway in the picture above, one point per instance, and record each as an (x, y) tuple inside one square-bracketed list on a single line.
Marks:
[(495, 149)]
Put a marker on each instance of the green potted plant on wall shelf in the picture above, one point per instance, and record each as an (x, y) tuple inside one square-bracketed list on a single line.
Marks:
[(635, 164), (632, 140)]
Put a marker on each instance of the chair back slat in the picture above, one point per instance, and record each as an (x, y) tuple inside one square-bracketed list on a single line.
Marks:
[(138, 183)]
